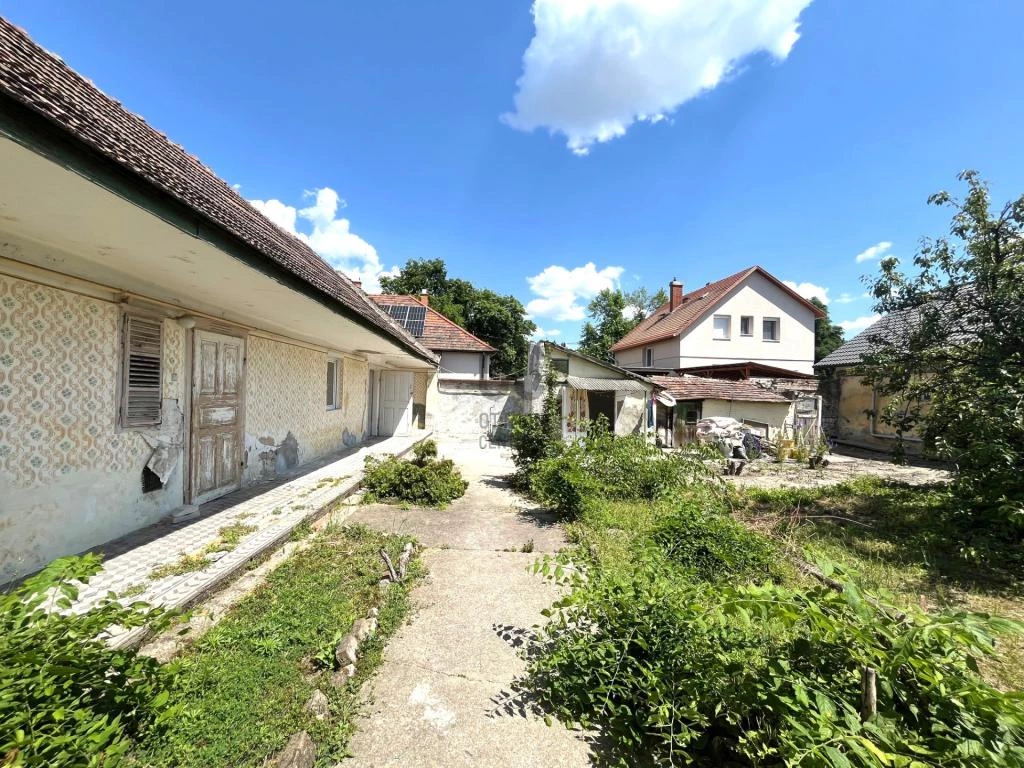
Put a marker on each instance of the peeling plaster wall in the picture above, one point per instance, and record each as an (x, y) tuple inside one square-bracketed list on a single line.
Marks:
[(70, 479), (855, 425), (287, 422)]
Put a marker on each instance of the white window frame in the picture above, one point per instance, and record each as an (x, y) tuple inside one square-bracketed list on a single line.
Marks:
[(124, 421), (728, 327), (336, 363), (648, 357), (778, 329), (750, 332)]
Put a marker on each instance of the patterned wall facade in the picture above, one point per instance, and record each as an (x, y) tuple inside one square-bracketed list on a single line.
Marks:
[(69, 478), (286, 393)]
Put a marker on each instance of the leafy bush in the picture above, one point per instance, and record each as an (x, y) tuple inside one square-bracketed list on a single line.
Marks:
[(606, 466), (715, 547), (424, 452), (66, 698), (536, 436), (424, 481), (680, 672)]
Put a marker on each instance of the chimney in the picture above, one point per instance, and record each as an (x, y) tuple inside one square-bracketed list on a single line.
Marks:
[(357, 283), (675, 294), (425, 298)]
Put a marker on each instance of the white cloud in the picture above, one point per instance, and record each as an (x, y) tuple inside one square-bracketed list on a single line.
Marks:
[(858, 324), (563, 293), (848, 298), (542, 333), (330, 236), (876, 251), (809, 290), (595, 67)]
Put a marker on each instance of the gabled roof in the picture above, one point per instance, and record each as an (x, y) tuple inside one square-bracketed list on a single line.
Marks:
[(603, 363), (889, 329), (439, 333), (664, 324), (44, 84), (697, 388)]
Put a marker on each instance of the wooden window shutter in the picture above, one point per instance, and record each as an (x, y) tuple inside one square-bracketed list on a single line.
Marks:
[(141, 390)]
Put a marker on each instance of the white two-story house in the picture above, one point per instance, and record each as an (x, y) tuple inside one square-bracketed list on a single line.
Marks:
[(747, 318)]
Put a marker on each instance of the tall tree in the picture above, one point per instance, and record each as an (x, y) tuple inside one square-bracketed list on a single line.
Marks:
[(499, 320), (614, 313), (827, 335), (955, 369)]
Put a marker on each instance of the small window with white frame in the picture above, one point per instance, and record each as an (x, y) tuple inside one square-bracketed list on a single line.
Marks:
[(747, 325), (333, 383), (722, 328), (648, 357), (770, 329)]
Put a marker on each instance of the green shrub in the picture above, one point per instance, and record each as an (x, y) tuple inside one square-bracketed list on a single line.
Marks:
[(714, 547), (679, 672), (424, 481), (66, 699), (605, 466), (424, 452), (536, 436)]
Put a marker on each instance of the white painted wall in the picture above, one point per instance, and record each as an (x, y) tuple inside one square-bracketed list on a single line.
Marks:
[(461, 365), (774, 414), (665, 354), (760, 298)]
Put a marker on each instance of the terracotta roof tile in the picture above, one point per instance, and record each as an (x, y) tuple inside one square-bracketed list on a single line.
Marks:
[(439, 333), (662, 324), (697, 388), (42, 82)]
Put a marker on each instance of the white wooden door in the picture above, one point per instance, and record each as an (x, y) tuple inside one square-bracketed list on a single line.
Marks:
[(218, 382), (395, 402)]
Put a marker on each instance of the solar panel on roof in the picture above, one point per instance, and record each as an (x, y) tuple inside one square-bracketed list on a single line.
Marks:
[(416, 320), (411, 318)]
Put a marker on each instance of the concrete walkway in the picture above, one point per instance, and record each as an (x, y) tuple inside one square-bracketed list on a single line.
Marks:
[(272, 510), (437, 700)]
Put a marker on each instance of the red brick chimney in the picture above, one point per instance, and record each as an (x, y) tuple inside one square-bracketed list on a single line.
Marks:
[(675, 294), (425, 298)]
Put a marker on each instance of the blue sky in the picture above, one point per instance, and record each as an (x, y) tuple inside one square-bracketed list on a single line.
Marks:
[(795, 134)]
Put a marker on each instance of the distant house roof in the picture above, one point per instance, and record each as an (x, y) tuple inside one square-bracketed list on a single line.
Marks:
[(890, 328), (611, 367), (44, 84), (664, 324), (439, 333), (697, 388)]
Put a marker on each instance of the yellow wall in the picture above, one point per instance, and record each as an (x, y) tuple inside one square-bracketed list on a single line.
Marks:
[(773, 414), (286, 391), (854, 422)]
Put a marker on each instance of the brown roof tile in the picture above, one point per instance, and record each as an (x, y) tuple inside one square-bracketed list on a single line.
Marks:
[(696, 388), (42, 82), (662, 324), (439, 333)]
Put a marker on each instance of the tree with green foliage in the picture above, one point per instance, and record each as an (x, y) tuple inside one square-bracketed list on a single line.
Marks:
[(500, 320), (954, 368), (613, 314), (828, 336)]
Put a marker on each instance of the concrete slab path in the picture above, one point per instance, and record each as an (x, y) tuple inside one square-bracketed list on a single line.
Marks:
[(437, 699)]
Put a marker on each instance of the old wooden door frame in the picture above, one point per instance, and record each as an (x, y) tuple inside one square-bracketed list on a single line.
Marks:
[(190, 345)]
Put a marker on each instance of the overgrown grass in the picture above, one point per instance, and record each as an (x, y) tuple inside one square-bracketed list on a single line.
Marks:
[(908, 541), (244, 683), (227, 540)]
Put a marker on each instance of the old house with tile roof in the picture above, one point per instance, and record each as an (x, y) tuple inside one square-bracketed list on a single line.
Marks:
[(161, 342), (852, 407), (749, 317)]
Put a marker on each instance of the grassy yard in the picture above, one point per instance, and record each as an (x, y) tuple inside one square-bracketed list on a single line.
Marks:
[(243, 684), (905, 541)]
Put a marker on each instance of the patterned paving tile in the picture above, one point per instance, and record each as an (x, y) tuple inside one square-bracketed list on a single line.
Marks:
[(273, 508)]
